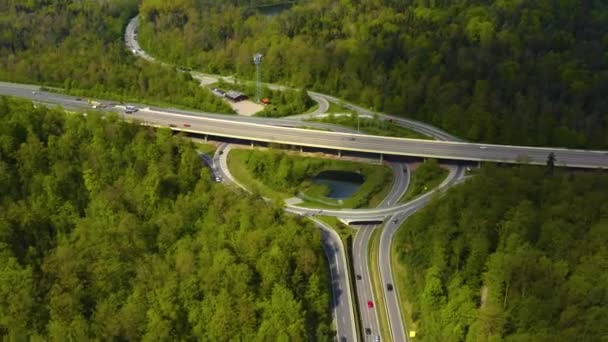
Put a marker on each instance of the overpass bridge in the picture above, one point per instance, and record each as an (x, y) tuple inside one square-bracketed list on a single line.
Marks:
[(380, 145)]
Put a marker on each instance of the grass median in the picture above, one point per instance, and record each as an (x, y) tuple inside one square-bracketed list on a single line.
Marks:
[(374, 126), (374, 269), (426, 177)]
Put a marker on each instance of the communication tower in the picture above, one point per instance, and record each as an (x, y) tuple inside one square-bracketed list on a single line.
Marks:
[(257, 60)]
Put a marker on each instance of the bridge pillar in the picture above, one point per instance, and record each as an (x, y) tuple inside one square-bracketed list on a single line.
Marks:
[(381, 157), (251, 143), (339, 153), (206, 137), (301, 149)]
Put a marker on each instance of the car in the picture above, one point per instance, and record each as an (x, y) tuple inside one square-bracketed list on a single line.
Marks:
[(187, 125), (358, 277), (395, 220), (483, 147), (218, 179), (343, 339), (368, 331), (78, 99), (130, 109), (389, 287), (221, 152), (35, 92), (370, 304), (172, 125), (377, 338)]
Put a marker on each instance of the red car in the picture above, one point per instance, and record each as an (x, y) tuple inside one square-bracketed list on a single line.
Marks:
[(186, 125), (370, 304)]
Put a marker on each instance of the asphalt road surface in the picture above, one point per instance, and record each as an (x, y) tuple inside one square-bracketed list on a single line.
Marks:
[(343, 310)]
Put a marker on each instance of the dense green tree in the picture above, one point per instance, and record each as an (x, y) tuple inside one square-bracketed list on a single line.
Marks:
[(114, 231), (509, 255), (528, 72), (79, 46)]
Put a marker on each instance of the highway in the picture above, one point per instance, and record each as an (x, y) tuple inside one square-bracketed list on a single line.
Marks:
[(237, 127), (365, 291)]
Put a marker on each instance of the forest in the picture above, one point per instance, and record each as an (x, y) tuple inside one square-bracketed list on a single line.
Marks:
[(514, 254), (114, 231), (78, 46), (499, 71)]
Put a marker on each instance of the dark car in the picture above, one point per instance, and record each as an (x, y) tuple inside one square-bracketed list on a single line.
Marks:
[(358, 277), (172, 125), (368, 331), (389, 287)]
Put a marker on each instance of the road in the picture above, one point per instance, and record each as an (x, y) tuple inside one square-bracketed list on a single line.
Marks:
[(237, 127), (365, 291), (343, 310)]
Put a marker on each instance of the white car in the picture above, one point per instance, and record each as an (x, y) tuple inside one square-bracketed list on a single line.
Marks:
[(130, 109)]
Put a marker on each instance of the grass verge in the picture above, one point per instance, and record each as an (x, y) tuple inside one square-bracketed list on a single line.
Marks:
[(374, 270), (424, 179), (400, 276), (208, 149), (374, 126), (237, 160), (336, 108)]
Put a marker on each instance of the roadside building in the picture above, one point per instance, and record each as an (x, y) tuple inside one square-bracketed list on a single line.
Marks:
[(235, 96), (265, 101)]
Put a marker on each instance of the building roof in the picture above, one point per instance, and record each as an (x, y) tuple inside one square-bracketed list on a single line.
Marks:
[(233, 95)]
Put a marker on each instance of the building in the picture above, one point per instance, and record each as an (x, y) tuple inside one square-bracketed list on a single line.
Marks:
[(235, 96), (265, 101)]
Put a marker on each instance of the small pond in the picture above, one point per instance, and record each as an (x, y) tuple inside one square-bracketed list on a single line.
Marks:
[(341, 184)]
